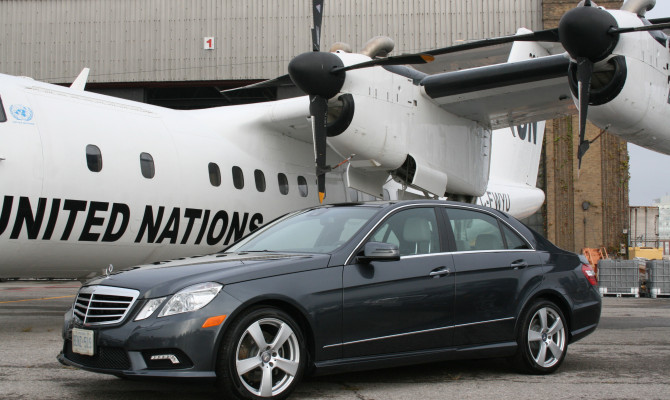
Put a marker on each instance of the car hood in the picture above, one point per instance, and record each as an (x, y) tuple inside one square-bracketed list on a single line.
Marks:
[(166, 278)]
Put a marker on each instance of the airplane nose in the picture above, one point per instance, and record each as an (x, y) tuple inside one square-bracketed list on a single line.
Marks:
[(311, 72)]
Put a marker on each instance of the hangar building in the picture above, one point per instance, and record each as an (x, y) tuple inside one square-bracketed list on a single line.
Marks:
[(181, 53)]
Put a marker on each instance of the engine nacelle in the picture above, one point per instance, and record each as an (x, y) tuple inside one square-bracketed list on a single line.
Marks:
[(634, 110), (397, 130)]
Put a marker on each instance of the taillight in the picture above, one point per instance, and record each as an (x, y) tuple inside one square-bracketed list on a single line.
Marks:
[(590, 274)]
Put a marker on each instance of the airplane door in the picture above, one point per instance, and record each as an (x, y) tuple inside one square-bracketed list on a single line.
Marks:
[(21, 178), (21, 162)]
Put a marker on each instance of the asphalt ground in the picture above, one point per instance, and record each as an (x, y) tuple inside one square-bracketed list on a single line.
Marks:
[(628, 357)]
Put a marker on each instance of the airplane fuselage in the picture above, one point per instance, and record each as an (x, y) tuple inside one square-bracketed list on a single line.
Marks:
[(89, 180), (59, 217)]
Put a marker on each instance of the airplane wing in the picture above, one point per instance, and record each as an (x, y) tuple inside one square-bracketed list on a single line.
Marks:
[(478, 57), (507, 94), (466, 59)]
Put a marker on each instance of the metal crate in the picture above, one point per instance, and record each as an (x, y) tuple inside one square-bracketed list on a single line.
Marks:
[(619, 277), (659, 278)]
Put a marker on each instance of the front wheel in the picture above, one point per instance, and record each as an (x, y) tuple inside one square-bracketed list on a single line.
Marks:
[(262, 356), (542, 339)]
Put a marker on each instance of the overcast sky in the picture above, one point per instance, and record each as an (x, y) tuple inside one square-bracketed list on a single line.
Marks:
[(649, 171)]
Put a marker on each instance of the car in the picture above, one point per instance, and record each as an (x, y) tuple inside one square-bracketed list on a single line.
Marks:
[(339, 288)]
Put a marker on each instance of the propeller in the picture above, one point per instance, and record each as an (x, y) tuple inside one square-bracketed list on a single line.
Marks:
[(321, 75), (585, 34), (590, 34), (312, 72), (318, 104)]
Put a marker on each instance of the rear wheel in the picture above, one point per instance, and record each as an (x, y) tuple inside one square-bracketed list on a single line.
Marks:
[(262, 356), (542, 339)]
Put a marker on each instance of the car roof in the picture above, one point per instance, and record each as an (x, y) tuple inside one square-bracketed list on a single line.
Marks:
[(401, 203)]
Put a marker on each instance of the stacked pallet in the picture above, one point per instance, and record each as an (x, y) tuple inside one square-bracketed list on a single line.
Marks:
[(659, 278), (620, 277)]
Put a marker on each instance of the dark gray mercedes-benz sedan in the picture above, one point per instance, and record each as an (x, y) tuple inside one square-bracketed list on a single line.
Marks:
[(338, 288)]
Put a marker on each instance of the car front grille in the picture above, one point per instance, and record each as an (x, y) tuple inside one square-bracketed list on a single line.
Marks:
[(103, 305)]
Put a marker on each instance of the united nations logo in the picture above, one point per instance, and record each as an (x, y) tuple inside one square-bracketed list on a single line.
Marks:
[(21, 113)]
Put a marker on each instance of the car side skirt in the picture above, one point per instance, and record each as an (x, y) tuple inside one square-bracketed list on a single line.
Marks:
[(400, 359)]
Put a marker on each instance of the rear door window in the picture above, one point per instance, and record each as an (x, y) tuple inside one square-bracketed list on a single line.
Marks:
[(475, 231)]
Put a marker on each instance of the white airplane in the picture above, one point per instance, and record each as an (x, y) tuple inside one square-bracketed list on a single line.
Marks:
[(88, 181)]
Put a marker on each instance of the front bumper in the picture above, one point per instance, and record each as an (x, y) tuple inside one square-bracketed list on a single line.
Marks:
[(172, 346)]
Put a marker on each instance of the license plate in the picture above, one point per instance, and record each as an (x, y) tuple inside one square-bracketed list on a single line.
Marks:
[(83, 341)]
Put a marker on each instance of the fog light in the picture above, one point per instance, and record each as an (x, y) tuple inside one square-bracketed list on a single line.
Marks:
[(171, 357), (166, 359)]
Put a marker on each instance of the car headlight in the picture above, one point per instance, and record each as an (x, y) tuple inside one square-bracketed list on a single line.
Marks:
[(191, 298), (149, 308)]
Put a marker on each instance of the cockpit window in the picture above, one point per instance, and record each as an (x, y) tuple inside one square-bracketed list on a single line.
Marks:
[(3, 116)]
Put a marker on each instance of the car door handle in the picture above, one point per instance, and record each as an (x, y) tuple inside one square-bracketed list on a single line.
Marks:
[(440, 271), (519, 264)]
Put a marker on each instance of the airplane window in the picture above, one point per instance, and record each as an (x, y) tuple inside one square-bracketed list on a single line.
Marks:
[(283, 183), (214, 174), (302, 186), (147, 165), (238, 178), (260, 180), (3, 116), (93, 158)]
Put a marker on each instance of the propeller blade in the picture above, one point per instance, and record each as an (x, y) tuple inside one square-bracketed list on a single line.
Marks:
[(548, 35), (395, 60), (318, 109), (584, 73), (657, 27), (284, 80), (317, 15)]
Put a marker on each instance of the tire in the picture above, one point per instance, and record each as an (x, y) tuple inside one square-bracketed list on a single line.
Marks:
[(542, 339), (262, 356)]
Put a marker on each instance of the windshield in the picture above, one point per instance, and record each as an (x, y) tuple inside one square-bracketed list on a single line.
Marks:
[(319, 230)]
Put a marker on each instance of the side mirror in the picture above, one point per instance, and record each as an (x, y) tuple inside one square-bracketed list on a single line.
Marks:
[(377, 251)]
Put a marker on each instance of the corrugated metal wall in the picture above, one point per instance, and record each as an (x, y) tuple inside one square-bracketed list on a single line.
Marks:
[(162, 40)]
